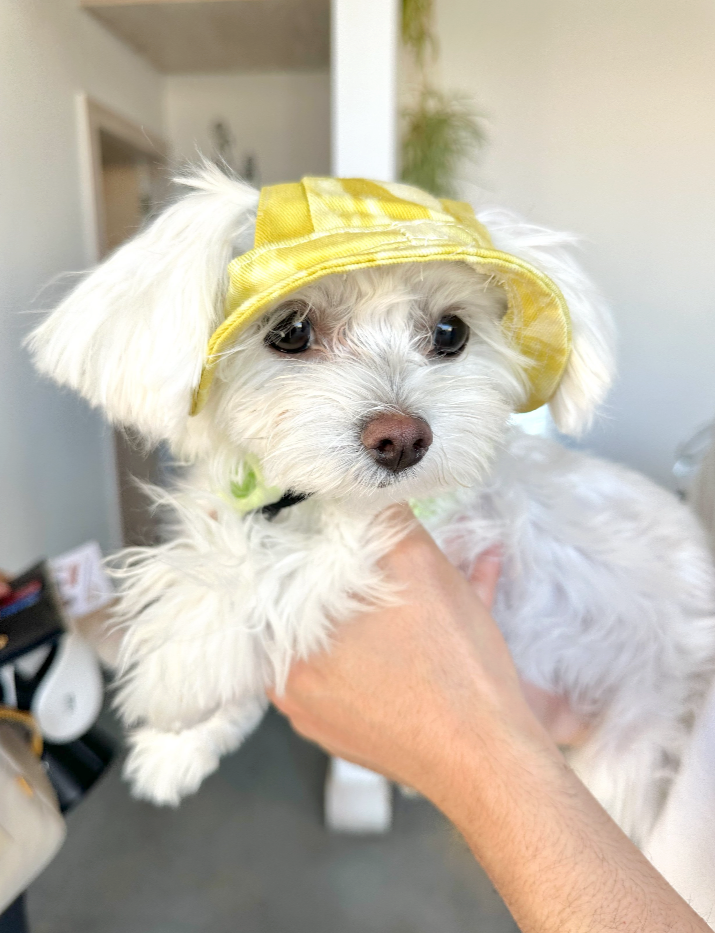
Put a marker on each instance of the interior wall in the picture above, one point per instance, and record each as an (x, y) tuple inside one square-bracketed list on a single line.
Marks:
[(281, 118), (57, 484), (601, 122)]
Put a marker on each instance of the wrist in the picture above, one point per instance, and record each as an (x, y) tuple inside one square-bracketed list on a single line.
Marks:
[(488, 766)]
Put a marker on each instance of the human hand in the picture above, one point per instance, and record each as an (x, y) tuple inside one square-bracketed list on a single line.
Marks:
[(4, 584), (405, 689)]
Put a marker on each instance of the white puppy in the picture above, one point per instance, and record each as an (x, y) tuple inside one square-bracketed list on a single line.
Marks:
[(361, 390)]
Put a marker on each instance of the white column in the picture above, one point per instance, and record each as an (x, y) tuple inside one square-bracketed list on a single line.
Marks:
[(364, 145), (364, 88)]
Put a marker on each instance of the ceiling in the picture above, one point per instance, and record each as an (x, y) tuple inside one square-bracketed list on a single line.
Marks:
[(221, 35)]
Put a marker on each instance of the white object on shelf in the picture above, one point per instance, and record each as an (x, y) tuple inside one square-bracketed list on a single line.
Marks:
[(69, 697), (356, 800), (81, 579)]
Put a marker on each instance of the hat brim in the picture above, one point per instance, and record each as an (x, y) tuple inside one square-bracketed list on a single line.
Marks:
[(537, 322)]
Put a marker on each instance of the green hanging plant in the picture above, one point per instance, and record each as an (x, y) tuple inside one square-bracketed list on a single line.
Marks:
[(417, 32), (441, 130)]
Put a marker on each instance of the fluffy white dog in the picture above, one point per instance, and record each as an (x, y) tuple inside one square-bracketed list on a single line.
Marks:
[(358, 391)]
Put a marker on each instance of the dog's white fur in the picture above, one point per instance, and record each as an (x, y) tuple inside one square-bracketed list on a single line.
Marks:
[(607, 594)]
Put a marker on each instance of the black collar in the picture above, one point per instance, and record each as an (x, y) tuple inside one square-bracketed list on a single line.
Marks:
[(286, 501)]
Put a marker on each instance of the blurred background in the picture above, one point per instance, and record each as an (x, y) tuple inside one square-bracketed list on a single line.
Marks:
[(595, 118)]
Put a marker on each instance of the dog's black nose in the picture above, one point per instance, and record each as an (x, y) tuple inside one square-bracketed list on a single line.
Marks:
[(396, 441)]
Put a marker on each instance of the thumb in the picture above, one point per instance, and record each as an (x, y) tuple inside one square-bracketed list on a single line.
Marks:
[(485, 574)]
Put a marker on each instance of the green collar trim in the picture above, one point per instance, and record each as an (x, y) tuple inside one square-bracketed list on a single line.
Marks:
[(424, 509), (249, 492)]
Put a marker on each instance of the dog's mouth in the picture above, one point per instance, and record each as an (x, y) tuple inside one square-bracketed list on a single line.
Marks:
[(388, 480)]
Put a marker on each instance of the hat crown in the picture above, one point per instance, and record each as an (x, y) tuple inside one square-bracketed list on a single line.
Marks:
[(316, 206)]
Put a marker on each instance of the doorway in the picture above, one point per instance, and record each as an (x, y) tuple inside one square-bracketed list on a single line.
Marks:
[(129, 185)]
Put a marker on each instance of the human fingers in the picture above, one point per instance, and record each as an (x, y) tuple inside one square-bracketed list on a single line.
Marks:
[(485, 575), (555, 713), (552, 710)]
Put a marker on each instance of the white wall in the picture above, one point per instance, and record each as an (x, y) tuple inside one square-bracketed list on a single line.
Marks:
[(602, 121), (283, 118), (55, 487)]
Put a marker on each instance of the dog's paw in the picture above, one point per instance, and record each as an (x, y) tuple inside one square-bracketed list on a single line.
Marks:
[(162, 767)]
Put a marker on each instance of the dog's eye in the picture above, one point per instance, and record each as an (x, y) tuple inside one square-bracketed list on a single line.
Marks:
[(449, 336), (291, 335)]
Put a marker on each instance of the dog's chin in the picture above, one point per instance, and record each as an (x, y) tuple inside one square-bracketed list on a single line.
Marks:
[(380, 488), (413, 484)]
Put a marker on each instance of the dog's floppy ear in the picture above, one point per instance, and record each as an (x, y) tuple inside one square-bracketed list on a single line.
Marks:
[(590, 369), (132, 336)]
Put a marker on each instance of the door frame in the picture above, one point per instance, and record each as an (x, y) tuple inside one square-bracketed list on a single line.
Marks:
[(94, 118)]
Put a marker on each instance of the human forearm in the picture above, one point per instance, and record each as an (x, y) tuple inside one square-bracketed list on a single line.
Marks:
[(557, 859)]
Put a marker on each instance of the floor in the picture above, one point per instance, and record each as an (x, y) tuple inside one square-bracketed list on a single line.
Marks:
[(249, 854)]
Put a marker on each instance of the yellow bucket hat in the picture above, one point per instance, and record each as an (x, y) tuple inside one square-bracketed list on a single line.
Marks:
[(319, 226)]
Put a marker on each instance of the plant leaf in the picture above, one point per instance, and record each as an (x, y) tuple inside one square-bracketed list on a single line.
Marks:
[(440, 132)]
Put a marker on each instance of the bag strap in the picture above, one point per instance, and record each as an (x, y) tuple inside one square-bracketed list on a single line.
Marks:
[(9, 714)]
